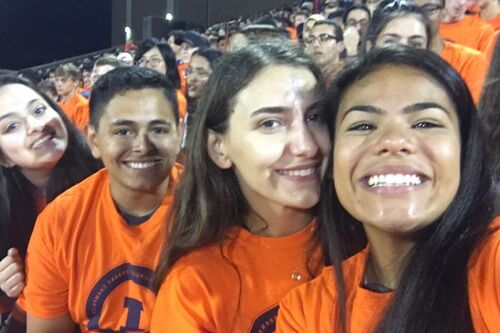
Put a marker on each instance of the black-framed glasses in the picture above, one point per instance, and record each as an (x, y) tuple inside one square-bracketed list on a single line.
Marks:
[(322, 38), (153, 62)]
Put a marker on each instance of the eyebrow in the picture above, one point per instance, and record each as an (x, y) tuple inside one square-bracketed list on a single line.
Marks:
[(269, 109), (124, 122), (408, 109), (282, 109), (10, 114)]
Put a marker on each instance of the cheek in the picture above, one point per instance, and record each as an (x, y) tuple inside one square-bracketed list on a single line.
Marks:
[(12, 146)]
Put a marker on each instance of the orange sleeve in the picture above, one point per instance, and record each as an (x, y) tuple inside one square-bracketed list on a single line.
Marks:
[(82, 116), (491, 47), (182, 304), (291, 317), (181, 68), (182, 104), (486, 36), (470, 64), (46, 291), (484, 283), (293, 33)]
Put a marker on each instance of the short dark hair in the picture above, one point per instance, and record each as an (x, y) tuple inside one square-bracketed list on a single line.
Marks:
[(123, 79), (47, 86), (108, 59), (167, 54), (68, 70), (350, 9)]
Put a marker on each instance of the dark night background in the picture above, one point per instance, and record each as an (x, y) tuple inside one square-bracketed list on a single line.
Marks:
[(34, 32)]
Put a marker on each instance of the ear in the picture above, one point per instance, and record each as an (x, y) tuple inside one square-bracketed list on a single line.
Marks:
[(93, 142), (217, 150), (341, 46)]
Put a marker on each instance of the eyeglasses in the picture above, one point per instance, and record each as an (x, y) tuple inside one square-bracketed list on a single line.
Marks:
[(323, 38), (431, 8), (153, 62), (199, 72), (353, 22)]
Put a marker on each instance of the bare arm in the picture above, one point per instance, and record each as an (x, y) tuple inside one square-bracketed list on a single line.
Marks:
[(62, 324)]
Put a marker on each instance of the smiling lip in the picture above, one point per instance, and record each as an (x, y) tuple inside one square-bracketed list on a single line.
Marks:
[(42, 139), (143, 164), (306, 172), (394, 180)]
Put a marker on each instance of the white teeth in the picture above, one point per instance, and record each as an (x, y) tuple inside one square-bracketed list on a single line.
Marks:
[(140, 165), (41, 141), (389, 180), (298, 173)]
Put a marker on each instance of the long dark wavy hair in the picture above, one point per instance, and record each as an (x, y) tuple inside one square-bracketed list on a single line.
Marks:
[(432, 293), (167, 54), (208, 199), (18, 209)]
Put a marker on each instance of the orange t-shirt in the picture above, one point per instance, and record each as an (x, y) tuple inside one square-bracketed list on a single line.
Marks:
[(233, 289), (470, 31), (494, 22), (77, 110), (312, 307), (85, 260), (469, 63), (182, 104), (181, 68)]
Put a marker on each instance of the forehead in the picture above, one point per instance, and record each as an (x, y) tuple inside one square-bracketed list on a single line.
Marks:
[(357, 14), (405, 26), (199, 61), (277, 85), (141, 105), (152, 52), (322, 29), (13, 96), (428, 2), (402, 86)]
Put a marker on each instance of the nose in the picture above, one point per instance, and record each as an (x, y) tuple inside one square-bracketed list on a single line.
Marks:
[(142, 143), (34, 125), (395, 141), (302, 141)]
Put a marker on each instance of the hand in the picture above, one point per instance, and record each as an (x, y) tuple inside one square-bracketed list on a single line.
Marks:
[(351, 41), (12, 274)]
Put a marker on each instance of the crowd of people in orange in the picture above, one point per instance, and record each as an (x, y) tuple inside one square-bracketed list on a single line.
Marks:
[(325, 167)]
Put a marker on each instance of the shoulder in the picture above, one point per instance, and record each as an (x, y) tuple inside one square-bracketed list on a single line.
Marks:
[(484, 281), (309, 306), (75, 199)]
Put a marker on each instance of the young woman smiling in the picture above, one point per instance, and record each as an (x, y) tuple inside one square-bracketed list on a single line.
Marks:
[(243, 231), (411, 186)]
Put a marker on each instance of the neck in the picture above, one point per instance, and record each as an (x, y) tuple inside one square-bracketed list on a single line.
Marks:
[(436, 44), (278, 221), (39, 178), (139, 203), (387, 257), (69, 96), (491, 10)]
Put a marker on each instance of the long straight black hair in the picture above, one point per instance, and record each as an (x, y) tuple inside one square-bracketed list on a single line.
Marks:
[(18, 209), (208, 199), (432, 294)]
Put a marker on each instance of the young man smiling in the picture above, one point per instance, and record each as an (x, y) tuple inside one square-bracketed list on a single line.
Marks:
[(93, 250)]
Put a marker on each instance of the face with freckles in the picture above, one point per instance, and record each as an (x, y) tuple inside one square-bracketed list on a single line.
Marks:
[(397, 150), (277, 139), (32, 134)]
